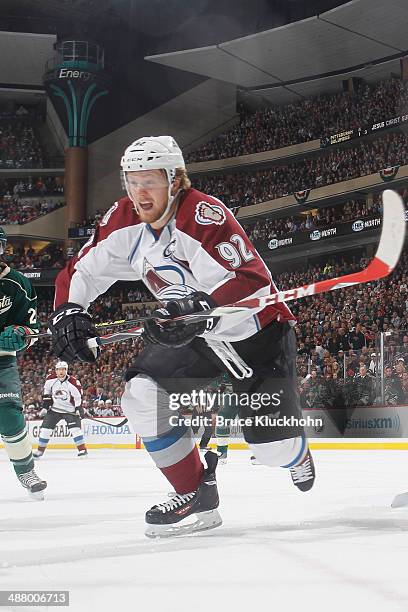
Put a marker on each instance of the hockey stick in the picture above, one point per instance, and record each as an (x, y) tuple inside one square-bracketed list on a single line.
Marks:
[(116, 425), (128, 334), (383, 263), (122, 422)]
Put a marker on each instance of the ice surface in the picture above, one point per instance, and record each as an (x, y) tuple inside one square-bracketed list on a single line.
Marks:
[(340, 547)]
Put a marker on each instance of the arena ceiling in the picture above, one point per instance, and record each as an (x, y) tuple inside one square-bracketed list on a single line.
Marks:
[(360, 38), (23, 57), (263, 55)]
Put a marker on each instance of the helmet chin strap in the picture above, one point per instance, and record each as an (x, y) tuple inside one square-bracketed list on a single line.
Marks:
[(170, 201)]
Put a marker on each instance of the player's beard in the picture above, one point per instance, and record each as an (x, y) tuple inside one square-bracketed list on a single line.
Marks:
[(151, 215)]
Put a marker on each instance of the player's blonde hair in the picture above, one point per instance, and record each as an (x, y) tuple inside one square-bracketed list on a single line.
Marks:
[(181, 173)]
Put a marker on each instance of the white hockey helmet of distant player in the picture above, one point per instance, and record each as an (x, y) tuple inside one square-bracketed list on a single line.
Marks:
[(61, 365), (153, 153)]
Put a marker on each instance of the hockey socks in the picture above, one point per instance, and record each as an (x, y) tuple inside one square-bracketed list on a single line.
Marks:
[(44, 438), (185, 475), (18, 448)]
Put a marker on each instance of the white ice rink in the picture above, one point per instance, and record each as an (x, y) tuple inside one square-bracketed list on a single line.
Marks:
[(339, 547)]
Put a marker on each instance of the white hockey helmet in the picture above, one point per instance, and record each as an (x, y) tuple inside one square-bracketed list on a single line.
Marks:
[(61, 364), (153, 153)]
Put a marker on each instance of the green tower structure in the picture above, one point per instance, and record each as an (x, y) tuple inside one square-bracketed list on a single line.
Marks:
[(76, 76)]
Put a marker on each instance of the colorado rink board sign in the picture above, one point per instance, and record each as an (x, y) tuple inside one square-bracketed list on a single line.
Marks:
[(97, 435)]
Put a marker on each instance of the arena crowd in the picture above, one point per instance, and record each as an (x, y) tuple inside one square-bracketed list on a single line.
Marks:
[(309, 119)]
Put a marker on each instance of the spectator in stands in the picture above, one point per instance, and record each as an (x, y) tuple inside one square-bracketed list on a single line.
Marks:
[(331, 166), (404, 385), (393, 394), (400, 367), (19, 147), (363, 382), (275, 127)]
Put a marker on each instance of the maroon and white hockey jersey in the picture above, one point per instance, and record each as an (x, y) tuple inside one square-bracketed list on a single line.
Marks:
[(203, 247), (66, 394)]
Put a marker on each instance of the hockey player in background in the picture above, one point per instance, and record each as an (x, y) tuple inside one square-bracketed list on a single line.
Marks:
[(18, 319), (62, 399), (192, 254)]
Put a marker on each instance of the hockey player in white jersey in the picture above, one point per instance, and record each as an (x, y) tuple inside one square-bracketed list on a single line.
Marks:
[(192, 254), (62, 399)]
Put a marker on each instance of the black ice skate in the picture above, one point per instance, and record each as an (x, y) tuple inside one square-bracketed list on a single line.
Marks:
[(164, 519), (37, 454), (303, 474), (83, 453), (34, 485)]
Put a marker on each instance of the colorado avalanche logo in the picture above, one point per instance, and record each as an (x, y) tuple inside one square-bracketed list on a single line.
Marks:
[(169, 288), (209, 213), (170, 248), (61, 394)]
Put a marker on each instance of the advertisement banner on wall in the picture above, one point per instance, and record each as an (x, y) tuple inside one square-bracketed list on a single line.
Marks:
[(41, 276), (360, 422), (386, 422), (363, 130), (96, 434), (80, 232), (340, 229)]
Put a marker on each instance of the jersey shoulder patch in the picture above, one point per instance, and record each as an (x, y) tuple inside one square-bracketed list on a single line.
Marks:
[(197, 208), (206, 213)]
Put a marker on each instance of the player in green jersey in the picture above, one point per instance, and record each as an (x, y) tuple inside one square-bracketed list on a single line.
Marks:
[(18, 319)]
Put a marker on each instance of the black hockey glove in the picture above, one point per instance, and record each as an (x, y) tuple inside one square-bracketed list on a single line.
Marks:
[(71, 327), (47, 403), (176, 334), (80, 412)]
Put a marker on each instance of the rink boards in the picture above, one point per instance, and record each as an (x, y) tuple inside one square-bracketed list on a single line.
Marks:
[(97, 435), (366, 428)]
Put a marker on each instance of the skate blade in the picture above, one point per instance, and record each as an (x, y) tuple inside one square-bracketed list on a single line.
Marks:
[(400, 501), (36, 495), (204, 521), (82, 456)]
